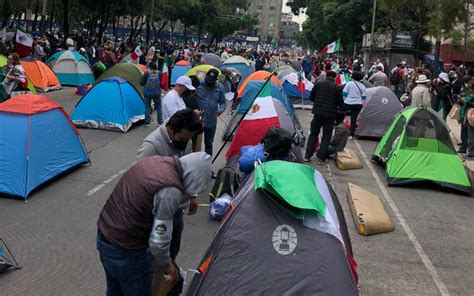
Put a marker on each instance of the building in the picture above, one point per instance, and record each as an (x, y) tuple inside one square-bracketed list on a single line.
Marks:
[(269, 14), (289, 30)]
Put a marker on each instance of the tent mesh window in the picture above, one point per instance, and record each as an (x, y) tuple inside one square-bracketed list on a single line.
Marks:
[(426, 132), (394, 135)]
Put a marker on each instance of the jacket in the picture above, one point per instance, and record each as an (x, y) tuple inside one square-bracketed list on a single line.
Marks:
[(420, 95), (327, 97), (159, 143), (210, 100)]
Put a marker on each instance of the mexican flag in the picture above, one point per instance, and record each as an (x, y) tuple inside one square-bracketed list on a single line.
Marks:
[(23, 44), (342, 79), (164, 77), (260, 118), (331, 48), (136, 53), (300, 85)]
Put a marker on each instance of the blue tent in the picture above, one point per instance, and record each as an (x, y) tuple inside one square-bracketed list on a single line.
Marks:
[(293, 92), (71, 68), (179, 70), (251, 91), (112, 104), (39, 144)]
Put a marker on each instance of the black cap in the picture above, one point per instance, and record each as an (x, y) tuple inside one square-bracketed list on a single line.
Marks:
[(213, 74)]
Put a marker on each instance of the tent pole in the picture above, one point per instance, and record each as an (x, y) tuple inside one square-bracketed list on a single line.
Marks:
[(241, 119)]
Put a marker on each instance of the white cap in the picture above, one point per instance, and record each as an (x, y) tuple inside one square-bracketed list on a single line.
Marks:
[(186, 81), (444, 76)]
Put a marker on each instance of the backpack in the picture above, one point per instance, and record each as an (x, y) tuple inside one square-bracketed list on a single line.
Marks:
[(277, 143), (152, 85), (227, 181), (395, 78)]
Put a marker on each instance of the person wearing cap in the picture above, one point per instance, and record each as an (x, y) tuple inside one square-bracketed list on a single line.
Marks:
[(135, 226), (420, 95), (173, 100), (212, 103), (444, 95), (379, 78)]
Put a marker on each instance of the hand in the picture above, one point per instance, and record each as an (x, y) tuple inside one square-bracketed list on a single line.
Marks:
[(193, 205), (218, 113), (198, 112), (171, 273)]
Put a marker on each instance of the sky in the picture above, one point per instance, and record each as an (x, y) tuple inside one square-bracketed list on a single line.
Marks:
[(299, 19)]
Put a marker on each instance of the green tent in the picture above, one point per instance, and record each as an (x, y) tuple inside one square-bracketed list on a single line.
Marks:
[(417, 147), (129, 72)]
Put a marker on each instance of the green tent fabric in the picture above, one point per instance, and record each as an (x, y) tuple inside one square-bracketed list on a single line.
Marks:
[(129, 72), (417, 147), (292, 184)]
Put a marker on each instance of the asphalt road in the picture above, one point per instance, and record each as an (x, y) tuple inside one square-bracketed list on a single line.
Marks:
[(53, 234)]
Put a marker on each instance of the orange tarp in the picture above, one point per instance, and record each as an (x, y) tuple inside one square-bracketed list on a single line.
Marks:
[(42, 77)]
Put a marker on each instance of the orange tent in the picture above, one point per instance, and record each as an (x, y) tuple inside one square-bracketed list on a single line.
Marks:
[(183, 63), (42, 77), (142, 68), (259, 75)]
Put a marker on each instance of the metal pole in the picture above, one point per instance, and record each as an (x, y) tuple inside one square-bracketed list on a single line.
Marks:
[(372, 32), (466, 28), (43, 17)]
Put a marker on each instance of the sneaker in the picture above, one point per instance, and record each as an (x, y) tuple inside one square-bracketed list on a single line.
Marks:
[(321, 162), (213, 175), (351, 137), (148, 124), (468, 156), (461, 150)]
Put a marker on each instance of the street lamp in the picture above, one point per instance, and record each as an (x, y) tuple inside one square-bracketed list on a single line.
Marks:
[(372, 33)]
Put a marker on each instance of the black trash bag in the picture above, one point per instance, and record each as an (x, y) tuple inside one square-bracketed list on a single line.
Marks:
[(277, 143)]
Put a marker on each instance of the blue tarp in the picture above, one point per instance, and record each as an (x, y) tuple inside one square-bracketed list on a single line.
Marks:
[(112, 104), (178, 71), (36, 148)]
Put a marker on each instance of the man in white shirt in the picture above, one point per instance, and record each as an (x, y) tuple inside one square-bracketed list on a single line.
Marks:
[(173, 100)]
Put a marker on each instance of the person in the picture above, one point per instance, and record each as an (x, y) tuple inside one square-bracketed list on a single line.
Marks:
[(107, 56), (15, 78), (38, 50), (396, 79), (444, 95), (465, 100), (173, 100), (152, 92), (135, 227), (420, 95), (354, 94), (340, 136), (225, 54), (212, 103), (326, 97), (379, 78), (191, 101)]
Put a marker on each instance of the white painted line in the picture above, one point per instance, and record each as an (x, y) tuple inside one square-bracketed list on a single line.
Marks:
[(110, 179), (419, 249)]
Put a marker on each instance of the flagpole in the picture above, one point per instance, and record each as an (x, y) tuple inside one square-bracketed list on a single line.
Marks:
[(243, 116)]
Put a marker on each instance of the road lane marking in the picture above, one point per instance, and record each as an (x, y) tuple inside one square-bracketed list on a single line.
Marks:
[(419, 249), (101, 185)]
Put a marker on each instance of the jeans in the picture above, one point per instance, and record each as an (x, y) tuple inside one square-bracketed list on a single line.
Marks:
[(355, 110), (470, 140), (464, 134), (327, 124), (159, 114), (127, 272), (209, 133)]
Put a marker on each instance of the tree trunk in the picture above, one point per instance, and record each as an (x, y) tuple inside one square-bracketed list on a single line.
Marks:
[(6, 12), (157, 32), (65, 16), (436, 69), (185, 33), (172, 25), (35, 21)]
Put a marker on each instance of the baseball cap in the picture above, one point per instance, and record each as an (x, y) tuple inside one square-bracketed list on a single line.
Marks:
[(186, 81), (213, 74)]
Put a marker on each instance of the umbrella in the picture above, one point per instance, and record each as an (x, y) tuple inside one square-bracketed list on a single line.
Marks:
[(212, 59)]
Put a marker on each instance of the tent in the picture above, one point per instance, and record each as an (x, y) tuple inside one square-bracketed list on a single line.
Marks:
[(71, 68), (201, 71), (39, 144), (417, 147), (42, 77), (212, 59), (179, 69), (290, 85), (129, 72), (378, 113), (112, 104), (240, 64), (264, 248), (258, 75)]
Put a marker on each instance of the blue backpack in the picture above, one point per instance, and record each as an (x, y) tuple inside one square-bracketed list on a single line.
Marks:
[(152, 85)]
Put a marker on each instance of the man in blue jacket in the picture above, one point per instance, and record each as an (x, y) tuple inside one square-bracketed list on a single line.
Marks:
[(212, 103)]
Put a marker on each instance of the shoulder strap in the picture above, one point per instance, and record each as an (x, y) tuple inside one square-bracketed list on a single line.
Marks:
[(360, 91)]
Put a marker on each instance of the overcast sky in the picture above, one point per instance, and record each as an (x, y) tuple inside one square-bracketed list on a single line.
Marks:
[(300, 19)]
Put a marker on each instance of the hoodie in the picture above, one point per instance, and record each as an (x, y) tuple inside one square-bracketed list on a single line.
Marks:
[(159, 143), (195, 176)]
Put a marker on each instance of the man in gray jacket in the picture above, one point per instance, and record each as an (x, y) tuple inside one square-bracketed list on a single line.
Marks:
[(135, 227)]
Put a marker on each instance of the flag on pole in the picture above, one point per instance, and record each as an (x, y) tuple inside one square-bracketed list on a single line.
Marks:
[(260, 118), (342, 79), (23, 44), (136, 53), (300, 85), (331, 48), (164, 77)]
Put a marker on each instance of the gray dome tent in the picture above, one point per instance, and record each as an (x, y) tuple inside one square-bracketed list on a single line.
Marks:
[(381, 108)]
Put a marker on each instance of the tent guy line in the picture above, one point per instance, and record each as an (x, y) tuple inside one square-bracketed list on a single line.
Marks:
[(110, 179), (401, 219)]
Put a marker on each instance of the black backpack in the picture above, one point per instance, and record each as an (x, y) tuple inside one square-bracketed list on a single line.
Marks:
[(277, 143), (395, 79), (227, 181)]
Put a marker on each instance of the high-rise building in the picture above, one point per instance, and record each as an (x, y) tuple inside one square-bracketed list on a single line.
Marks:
[(289, 30), (269, 18)]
